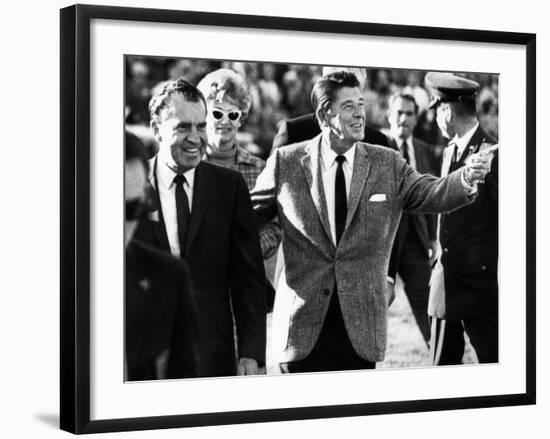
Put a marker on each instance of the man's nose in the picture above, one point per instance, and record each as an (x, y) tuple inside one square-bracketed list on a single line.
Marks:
[(193, 136), (358, 111)]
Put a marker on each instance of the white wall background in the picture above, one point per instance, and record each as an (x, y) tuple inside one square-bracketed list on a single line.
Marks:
[(29, 237)]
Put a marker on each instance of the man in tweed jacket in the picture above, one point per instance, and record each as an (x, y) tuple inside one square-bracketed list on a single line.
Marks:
[(331, 299)]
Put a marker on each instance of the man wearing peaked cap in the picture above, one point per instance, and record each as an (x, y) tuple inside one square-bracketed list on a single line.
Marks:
[(464, 284), (447, 87)]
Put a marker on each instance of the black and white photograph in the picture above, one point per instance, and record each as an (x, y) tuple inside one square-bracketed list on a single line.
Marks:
[(304, 218), (275, 219)]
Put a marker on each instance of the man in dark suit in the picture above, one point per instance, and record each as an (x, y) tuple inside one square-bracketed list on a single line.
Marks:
[(161, 329), (464, 285), (339, 201), (416, 235), (204, 215)]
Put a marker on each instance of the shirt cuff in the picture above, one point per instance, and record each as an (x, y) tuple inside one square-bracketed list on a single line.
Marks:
[(472, 188), (391, 280)]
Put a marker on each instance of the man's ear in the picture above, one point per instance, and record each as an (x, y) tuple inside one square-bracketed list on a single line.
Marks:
[(321, 117), (155, 129), (449, 113)]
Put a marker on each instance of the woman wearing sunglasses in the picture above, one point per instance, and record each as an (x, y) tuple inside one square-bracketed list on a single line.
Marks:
[(228, 102)]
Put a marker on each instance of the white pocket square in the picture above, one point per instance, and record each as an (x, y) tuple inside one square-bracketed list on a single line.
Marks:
[(154, 216), (378, 197)]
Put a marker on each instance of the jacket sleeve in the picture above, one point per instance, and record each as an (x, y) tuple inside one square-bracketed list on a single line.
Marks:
[(186, 351), (425, 193), (249, 285), (264, 193)]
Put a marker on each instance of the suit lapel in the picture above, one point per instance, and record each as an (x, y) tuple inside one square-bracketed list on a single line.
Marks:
[(311, 166), (361, 171), (420, 158), (473, 145), (202, 189), (158, 227)]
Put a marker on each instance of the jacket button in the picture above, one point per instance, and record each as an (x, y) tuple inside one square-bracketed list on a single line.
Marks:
[(445, 250), (483, 267), (326, 292)]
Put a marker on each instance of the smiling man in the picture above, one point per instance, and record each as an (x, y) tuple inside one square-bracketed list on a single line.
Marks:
[(339, 201), (204, 216)]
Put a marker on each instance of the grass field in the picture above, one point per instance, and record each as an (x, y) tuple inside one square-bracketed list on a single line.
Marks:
[(406, 347)]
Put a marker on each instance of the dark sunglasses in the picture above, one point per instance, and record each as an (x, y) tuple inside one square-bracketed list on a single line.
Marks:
[(134, 209), (231, 115)]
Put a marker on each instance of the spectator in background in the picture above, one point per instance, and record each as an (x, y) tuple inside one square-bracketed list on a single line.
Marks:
[(138, 92), (271, 93), (296, 90), (416, 235), (376, 99), (161, 328), (190, 70), (228, 103), (415, 89), (272, 99)]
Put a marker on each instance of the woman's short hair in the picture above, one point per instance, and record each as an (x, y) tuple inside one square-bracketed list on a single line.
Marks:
[(226, 85)]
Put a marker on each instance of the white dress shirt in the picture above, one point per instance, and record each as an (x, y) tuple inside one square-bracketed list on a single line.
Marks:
[(167, 194), (328, 175), (461, 143)]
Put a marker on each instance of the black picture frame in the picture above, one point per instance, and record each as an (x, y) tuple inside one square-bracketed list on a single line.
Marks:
[(75, 217)]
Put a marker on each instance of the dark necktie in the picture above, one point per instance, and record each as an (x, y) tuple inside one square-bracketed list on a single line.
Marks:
[(182, 211), (405, 152), (454, 158), (340, 202)]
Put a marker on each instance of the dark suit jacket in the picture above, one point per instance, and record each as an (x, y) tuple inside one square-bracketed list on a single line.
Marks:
[(425, 225), (469, 242), (160, 316), (306, 127), (225, 259)]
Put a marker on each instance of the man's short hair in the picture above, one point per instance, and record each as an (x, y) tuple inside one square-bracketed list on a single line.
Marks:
[(163, 93), (135, 150), (405, 97), (359, 72), (465, 108), (325, 89)]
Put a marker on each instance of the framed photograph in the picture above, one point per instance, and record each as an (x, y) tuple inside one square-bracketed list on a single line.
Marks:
[(115, 60)]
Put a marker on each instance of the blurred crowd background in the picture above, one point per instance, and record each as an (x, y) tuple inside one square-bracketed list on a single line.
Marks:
[(282, 91)]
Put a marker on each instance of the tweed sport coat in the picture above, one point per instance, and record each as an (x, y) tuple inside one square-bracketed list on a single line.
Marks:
[(382, 186)]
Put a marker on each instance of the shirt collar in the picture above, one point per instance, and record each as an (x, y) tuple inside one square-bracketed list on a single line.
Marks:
[(166, 175), (463, 141), (329, 156)]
